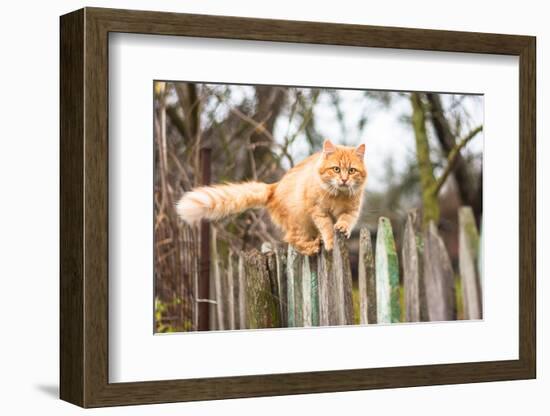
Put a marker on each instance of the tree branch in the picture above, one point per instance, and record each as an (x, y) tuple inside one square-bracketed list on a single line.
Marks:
[(178, 122), (453, 156), (260, 128)]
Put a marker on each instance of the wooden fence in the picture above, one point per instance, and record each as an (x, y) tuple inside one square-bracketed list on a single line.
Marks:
[(278, 287)]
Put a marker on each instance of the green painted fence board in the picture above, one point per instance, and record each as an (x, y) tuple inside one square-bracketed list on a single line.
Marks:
[(387, 274)]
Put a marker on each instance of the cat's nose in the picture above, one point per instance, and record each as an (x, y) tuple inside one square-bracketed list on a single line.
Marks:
[(344, 180)]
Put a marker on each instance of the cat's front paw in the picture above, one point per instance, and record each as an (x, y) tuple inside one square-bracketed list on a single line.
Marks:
[(343, 227), (328, 243)]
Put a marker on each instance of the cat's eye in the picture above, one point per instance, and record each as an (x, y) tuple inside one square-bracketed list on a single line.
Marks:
[(352, 170), (336, 169)]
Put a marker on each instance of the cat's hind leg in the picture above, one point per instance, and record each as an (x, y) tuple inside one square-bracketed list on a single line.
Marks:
[(304, 244)]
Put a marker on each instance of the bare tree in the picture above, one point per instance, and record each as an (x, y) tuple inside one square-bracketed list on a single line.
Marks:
[(469, 186)]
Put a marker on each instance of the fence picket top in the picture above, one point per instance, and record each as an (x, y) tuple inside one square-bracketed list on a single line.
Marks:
[(266, 247), (261, 307), (387, 274), (468, 264), (366, 279)]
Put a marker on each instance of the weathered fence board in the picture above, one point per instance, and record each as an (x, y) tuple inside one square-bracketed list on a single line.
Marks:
[(282, 288), (225, 298), (306, 291), (438, 278), (242, 293), (387, 275), (299, 293), (413, 282), (293, 269), (468, 264), (216, 277), (328, 301), (367, 279), (270, 255), (232, 293), (261, 305), (310, 291), (280, 258), (342, 272), (314, 282)]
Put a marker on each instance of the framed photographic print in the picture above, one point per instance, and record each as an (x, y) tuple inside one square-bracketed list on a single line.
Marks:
[(256, 207)]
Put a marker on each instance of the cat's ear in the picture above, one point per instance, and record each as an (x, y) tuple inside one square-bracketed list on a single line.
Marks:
[(360, 150), (328, 147)]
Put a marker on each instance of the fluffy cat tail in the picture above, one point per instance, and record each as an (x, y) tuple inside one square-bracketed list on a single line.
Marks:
[(219, 201)]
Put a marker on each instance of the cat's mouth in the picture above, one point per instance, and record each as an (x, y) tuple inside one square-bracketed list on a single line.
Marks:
[(338, 187), (346, 188)]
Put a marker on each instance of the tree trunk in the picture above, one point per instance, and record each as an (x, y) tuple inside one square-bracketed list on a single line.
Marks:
[(425, 167)]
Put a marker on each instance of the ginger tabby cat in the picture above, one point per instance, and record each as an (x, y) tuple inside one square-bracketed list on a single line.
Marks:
[(321, 194)]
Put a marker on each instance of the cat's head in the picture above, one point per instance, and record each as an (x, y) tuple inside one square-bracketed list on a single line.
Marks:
[(342, 168)]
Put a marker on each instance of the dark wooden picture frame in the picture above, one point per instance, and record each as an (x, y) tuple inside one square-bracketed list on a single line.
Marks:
[(84, 207)]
